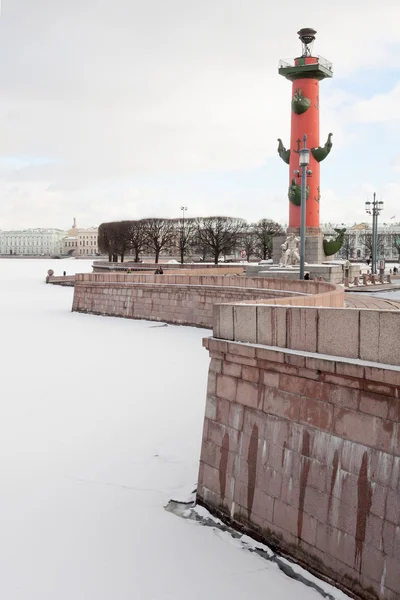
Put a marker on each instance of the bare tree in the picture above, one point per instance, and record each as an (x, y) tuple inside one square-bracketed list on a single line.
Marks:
[(137, 238), (248, 242), (107, 240), (211, 236), (103, 240), (349, 244), (219, 235), (159, 234), (114, 239), (185, 236), (264, 232), (395, 243), (366, 241), (200, 246), (123, 237)]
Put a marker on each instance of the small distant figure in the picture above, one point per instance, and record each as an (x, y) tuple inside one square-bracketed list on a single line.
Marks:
[(391, 271), (159, 271), (368, 261), (307, 277), (395, 270), (64, 273)]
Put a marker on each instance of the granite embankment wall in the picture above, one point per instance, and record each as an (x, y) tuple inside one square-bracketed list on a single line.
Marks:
[(301, 440), (63, 280), (189, 300), (199, 268), (69, 280)]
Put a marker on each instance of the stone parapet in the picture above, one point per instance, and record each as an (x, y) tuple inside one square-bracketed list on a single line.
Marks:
[(352, 333), (224, 280), (222, 268), (189, 300)]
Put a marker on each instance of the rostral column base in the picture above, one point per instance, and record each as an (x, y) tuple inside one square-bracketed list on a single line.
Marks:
[(315, 254)]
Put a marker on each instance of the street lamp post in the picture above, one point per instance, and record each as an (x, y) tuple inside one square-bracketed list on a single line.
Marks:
[(182, 244), (304, 161), (183, 209), (374, 208)]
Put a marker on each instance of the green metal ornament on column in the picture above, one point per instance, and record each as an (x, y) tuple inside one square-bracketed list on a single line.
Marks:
[(300, 103), (294, 193), (283, 153), (322, 152), (333, 246)]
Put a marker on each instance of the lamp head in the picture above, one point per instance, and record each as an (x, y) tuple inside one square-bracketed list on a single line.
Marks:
[(307, 37), (304, 157)]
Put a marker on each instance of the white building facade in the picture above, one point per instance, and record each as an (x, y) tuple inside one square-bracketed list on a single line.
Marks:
[(358, 241), (87, 242), (32, 242)]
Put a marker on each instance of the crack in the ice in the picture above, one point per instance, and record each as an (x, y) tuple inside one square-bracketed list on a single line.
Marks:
[(185, 510)]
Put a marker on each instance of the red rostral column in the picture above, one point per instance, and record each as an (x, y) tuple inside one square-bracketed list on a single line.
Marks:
[(305, 72)]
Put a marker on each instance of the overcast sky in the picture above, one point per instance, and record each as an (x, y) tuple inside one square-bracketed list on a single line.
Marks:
[(113, 109)]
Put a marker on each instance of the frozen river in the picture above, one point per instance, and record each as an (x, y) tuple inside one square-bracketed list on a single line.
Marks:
[(100, 425)]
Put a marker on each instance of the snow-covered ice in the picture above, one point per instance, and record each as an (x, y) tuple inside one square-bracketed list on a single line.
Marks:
[(100, 426)]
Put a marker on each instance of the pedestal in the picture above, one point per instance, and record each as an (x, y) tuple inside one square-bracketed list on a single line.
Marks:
[(314, 253), (317, 264)]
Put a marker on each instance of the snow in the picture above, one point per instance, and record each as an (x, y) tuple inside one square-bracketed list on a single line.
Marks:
[(100, 426)]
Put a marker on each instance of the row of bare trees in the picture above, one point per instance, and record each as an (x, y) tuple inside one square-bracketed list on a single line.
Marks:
[(206, 238)]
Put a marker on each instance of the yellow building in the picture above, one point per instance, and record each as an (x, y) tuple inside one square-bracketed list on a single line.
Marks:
[(81, 242), (87, 242)]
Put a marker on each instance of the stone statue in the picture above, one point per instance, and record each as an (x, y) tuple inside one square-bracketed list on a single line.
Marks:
[(290, 251)]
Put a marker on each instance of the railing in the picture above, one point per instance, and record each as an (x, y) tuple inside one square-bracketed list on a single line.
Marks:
[(318, 60), (285, 64), (325, 63)]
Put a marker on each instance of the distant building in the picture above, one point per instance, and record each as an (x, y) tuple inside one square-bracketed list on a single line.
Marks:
[(70, 241), (81, 242), (49, 242), (87, 241), (358, 240), (32, 242)]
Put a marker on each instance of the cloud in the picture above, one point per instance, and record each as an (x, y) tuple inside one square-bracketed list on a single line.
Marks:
[(381, 108), (105, 97), (350, 206)]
